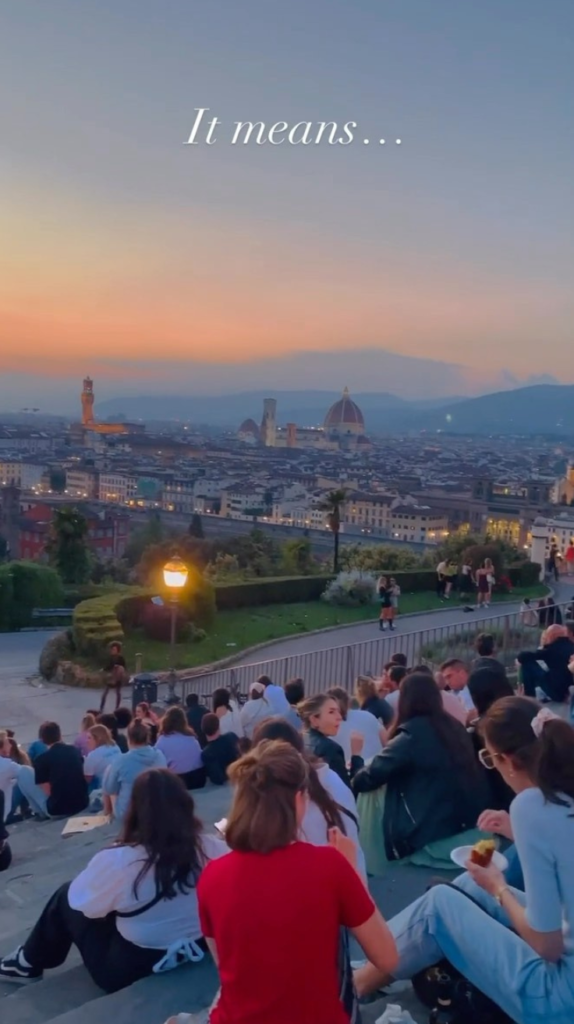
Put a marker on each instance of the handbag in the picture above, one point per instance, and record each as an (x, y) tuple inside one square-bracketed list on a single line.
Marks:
[(451, 996), (454, 999)]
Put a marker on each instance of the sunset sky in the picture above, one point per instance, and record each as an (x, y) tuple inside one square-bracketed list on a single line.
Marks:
[(129, 255)]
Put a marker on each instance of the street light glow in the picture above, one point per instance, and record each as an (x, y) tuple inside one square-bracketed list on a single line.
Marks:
[(175, 573)]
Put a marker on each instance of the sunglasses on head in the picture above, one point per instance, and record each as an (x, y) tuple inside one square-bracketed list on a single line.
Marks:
[(487, 759)]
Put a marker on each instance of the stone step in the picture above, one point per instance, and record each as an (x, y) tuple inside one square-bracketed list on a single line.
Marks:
[(151, 1001), (60, 991)]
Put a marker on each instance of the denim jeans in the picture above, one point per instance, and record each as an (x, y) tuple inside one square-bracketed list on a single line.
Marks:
[(33, 793), (533, 675), (478, 941)]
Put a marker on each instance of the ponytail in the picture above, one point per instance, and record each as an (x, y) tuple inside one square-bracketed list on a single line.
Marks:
[(539, 742)]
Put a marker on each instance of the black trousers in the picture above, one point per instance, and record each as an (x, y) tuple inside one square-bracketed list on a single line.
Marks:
[(5, 855), (118, 692), (534, 675), (195, 779), (112, 961)]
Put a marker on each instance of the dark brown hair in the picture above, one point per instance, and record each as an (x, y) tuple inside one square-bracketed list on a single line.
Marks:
[(399, 659), (484, 645), (280, 729), (397, 673), (174, 721), (210, 725), (549, 761), (221, 698), (50, 733), (486, 685), (420, 697), (161, 818), (263, 815), (295, 691), (138, 734)]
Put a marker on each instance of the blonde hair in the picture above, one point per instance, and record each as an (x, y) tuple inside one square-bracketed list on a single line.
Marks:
[(312, 706), (88, 721), (101, 736), (365, 687), (263, 816)]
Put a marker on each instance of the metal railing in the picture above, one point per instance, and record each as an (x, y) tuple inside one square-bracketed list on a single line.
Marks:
[(340, 665)]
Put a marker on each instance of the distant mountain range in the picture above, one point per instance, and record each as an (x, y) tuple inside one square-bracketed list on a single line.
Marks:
[(540, 409)]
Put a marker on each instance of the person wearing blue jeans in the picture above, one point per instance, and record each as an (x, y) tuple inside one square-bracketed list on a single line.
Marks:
[(517, 948)]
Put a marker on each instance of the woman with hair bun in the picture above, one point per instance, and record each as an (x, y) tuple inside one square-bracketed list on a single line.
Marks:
[(273, 910), (517, 948)]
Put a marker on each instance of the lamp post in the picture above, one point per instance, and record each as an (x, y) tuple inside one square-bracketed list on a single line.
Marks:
[(175, 575)]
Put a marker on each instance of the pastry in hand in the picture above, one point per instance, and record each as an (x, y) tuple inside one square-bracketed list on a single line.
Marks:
[(483, 852)]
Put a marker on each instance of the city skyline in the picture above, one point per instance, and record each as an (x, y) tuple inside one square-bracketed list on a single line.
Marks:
[(159, 267)]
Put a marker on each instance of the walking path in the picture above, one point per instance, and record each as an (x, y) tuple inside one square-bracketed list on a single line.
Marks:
[(364, 631)]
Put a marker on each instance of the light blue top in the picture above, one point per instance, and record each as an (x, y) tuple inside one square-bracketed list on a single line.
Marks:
[(98, 760), (275, 697), (294, 719), (544, 836), (124, 770)]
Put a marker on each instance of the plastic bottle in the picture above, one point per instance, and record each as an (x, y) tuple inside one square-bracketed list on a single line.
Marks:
[(394, 1014)]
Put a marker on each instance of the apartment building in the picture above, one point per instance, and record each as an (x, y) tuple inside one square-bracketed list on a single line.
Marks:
[(117, 488), (418, 523), (369, 512)]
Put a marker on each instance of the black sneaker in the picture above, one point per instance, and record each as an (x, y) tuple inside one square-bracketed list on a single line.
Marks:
[(15, 968)]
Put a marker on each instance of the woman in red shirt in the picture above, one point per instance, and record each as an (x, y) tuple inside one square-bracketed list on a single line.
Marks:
[(272, 910)]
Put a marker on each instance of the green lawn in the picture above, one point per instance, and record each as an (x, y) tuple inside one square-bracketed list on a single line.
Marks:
[(236, 630)]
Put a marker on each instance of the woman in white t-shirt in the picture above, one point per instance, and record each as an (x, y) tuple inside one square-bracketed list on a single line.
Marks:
[(227, 710), (133, 910), (330, 802), (256, 709)]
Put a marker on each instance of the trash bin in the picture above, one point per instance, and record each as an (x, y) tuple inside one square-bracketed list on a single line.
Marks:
[(144, 688)]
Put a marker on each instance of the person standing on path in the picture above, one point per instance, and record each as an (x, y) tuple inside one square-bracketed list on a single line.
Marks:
[(570, 558), (116, 675), (386, 597), (395, 596)]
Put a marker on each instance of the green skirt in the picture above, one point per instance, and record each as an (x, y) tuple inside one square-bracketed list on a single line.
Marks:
[(371, 807)]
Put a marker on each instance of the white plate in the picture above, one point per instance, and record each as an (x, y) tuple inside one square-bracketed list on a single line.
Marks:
[(461, 856)]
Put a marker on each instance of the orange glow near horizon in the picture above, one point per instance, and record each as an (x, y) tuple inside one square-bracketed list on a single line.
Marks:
[(119, 289)]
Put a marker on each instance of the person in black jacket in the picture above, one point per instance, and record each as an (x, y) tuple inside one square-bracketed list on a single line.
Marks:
[(195, 713), (435, 788), (219, 752), (555, 652), (321, 717)]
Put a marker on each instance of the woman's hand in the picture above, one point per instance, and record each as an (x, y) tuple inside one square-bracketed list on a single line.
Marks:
[(357, 744), (344, 845), (490, 879), (496, 821)]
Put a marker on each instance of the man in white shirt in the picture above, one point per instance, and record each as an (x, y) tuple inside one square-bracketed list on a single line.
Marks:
[(275, 697), (355, 721), (455, 675)]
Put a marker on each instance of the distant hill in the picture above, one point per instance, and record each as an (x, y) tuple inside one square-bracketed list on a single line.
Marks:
[(542, 409), (306, 408)]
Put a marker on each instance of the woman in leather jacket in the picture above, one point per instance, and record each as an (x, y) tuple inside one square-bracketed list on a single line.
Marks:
[(435, 788), (321, 717)]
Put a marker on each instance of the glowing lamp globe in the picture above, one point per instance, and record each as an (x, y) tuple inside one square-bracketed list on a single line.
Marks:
[(175, 573)]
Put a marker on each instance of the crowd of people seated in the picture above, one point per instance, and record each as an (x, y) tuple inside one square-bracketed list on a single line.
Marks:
[(326, 790)]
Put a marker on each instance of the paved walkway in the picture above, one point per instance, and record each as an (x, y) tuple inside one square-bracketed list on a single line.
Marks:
[(362, 632)]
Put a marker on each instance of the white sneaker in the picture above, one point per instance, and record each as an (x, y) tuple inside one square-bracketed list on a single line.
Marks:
[(395, 1015)]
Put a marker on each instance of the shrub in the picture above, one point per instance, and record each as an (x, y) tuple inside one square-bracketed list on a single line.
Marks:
[(527, 574), (156, 623), (282, 590), (23, 587), (57, 649), (351, 589)]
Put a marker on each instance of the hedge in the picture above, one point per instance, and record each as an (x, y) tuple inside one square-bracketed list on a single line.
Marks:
[(23, 587), (102, 620), (280, 590)]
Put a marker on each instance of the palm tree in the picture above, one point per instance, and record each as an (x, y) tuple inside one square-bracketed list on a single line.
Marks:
[(332, 505)]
